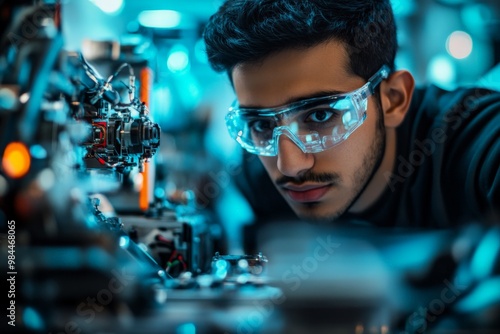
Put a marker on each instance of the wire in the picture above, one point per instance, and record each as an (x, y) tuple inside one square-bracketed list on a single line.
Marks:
[(172, 255), (102, 161), (178, 260), (120, 68)]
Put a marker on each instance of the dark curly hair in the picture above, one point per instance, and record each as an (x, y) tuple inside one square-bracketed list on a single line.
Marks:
[(250, 30)]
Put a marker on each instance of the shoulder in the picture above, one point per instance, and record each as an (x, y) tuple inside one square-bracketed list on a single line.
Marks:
[(464, 114), (435, 102), (451, 139)]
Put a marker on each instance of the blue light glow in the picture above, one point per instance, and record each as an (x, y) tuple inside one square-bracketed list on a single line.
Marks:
[(159, 192), (109, 6), (178, 60), (221, 269), (188, 328), (441, 71), (476, 17), (403, 8), (486, 294), (162, 104), (38, 152), (124, 241), (32, 319), (483, 262), (160, 18)]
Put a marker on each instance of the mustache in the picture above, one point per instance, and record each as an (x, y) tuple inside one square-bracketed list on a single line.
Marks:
[(309, 177)]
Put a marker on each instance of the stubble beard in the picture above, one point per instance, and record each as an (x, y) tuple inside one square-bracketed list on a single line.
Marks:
[(361, 178)]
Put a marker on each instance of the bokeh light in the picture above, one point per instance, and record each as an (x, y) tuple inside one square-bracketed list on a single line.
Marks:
[(459, 44), (109, 6)]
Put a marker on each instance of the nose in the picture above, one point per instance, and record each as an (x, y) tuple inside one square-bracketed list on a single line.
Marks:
[(292, 161)]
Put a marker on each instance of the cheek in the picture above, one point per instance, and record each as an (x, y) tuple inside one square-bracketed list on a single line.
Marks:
[(347, 158), (364, 136), (270, 164), (354, 147), (342, 160)]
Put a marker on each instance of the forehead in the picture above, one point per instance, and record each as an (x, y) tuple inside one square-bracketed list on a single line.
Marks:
[(294, 73)]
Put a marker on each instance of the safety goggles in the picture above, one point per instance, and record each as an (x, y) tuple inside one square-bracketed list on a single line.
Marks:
[(314, 125)]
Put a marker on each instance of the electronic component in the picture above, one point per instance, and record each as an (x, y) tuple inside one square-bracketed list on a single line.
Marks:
[(120, 135)]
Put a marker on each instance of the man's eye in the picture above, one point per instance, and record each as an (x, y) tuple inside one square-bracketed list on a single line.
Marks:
[(320, 116), (261, 126)]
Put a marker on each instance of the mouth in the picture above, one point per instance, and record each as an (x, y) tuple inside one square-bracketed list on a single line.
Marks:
[(306, 194)]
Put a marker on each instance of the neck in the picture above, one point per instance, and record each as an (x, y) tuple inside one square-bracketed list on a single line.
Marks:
[(378, 183)]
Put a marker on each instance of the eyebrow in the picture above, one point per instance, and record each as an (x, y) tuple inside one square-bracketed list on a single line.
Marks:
[(295, 99)]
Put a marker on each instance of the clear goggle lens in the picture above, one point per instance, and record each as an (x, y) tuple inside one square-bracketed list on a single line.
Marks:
[(314, 125)]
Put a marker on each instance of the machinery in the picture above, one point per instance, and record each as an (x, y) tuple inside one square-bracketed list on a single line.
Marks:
[(68, 137), (120, 135)]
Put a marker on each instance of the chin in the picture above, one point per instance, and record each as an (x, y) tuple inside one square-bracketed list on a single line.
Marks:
[(311, 212)]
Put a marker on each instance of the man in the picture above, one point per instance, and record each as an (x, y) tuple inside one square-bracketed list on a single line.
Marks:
[(341, 132)]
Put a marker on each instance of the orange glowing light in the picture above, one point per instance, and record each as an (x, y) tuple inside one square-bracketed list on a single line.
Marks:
[(16, 160), (146, 77)]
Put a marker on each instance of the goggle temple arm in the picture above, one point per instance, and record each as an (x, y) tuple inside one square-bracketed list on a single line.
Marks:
[(378, 77), (369, 88)]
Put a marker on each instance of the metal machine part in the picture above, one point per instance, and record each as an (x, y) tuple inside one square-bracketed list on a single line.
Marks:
[(178, 244), (120, 135), (240, 269)]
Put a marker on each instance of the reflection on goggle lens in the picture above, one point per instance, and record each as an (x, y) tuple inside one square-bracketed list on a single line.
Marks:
[(314, 124)]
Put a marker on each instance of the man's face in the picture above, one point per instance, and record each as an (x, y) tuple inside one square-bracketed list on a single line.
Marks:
[(322, 185)]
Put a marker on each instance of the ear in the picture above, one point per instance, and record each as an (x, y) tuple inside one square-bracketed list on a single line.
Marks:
[(395, 95)]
